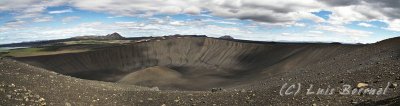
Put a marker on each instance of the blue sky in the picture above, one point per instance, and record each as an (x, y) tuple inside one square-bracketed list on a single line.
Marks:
[(267, 20)]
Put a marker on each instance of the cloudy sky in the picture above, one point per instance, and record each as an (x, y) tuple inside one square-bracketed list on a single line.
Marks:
[(349, 21)]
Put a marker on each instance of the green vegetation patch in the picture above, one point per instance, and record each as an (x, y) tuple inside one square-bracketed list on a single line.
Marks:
[(60, 48), (24, 52)]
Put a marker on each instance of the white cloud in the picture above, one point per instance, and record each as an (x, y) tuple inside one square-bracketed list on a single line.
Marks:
[(61, 11), (8, 5), (227, 22), (263, 12), (219, 21), (129, 28), (177, 23), (268, 11), (114, 16), (346, 14), (300, 24), (14, 23), (43, 19), (394, 25), (69, 19), (218, 30), (28, 8), (316, 37), (134, 26), (137, 7), (286, 34), (343, 31), (192, 10), (316, 32), (365, 24)]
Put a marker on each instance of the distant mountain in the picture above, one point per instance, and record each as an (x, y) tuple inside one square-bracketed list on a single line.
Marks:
[(226, 37), (113, 36)]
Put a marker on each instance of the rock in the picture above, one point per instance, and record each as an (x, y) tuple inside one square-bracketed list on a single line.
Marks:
[(67, 104), (353, 102), (42, 102), (41, 99), (216, 89), (393, 85), (213, 90), (11, 85), (149, 98), (249, 101), (154, 89), (362, 85)]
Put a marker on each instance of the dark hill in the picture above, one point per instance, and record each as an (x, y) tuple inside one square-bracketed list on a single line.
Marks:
[(113, 36)]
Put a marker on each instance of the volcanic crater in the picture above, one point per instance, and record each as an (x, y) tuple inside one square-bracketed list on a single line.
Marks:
[(188, 63), (204, 71)]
